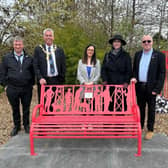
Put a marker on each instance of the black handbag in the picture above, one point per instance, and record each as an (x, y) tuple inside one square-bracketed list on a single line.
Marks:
[(161, 104)]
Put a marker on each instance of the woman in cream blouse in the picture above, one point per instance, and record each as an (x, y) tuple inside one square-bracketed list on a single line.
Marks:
[(89, 67)]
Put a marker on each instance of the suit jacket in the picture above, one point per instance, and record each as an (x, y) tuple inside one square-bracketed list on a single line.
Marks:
[(117, 70), (40, 63), (82, 74), (156, 71)]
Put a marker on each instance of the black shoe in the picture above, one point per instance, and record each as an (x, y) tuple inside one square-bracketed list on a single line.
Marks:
[(15, 131), (27, 129)]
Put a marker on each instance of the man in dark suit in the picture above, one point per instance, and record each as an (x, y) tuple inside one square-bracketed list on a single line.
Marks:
[(17, 77), (149, 73), (49, 62)]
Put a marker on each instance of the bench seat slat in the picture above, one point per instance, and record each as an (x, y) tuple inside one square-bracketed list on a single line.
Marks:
[(87, 137), (84, 119), (81, 124)]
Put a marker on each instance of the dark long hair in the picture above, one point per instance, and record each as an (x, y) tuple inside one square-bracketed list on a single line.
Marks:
[(85, 56)]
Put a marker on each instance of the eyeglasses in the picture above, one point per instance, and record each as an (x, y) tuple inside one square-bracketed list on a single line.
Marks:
[(90, 49), (148, 41)]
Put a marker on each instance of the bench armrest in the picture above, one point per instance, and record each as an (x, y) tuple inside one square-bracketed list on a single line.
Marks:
[(34, 113), (136, 112)]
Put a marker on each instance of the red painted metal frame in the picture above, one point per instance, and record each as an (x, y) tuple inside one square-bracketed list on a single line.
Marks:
[(165, 90), (75, 111)]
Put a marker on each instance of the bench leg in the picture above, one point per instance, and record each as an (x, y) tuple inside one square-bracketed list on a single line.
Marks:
[(139, 145), (32, 146)]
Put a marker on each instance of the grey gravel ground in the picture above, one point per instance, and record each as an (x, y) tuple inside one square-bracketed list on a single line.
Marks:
[(84, 153)]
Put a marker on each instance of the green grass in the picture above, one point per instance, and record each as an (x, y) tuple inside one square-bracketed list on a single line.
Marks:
[(1, 89)]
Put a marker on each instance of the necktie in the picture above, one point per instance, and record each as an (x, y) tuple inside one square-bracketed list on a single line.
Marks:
[(19, 64), (51, 61)]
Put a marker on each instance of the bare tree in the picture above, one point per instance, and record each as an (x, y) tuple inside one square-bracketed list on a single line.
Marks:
[(162, 9)]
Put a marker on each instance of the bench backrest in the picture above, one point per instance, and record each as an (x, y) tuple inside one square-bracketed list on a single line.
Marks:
[(79, 99)]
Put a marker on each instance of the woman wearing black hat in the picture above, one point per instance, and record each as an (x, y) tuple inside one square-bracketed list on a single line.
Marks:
[(116, 68)]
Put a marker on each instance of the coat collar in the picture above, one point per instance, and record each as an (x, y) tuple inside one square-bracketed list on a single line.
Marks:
[(24, 54), (153, 54)]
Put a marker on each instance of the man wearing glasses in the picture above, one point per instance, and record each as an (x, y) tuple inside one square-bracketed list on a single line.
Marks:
[(149, 73)]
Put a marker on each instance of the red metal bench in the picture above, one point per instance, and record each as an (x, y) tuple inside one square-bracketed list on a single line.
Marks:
[(165, 89), (75, 111)]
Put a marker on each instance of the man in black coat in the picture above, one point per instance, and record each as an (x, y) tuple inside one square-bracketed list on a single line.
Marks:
[(17, 76), (149, 73), (49, 62)]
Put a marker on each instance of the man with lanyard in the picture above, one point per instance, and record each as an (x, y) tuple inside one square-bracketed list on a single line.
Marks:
[(149, 73), (49, 62), (17, 76)]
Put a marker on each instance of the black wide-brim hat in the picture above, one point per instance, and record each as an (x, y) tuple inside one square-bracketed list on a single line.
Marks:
[(117, 37)]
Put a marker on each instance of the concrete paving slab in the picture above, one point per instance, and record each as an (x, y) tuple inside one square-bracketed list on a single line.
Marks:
[(84, 153)]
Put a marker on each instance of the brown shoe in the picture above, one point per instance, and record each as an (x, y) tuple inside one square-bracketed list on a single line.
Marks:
[(149, 135)]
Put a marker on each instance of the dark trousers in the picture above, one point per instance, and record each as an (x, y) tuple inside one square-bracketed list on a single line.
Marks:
[(50, 81), (145, 97), (17, 95)]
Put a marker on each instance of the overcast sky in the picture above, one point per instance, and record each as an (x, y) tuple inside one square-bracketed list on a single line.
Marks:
[(7, 2)]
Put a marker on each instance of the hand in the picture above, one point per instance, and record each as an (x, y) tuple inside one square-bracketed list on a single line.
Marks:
[(88, 83), (5, 88), (105, 83), (133, 80), (42, 81), (154, 93)]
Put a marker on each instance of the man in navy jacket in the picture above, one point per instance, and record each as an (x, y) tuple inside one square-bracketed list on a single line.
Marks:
[(17, 76)]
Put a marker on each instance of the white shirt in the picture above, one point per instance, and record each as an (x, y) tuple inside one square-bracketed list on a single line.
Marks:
[(48, 64), (21, 56)]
